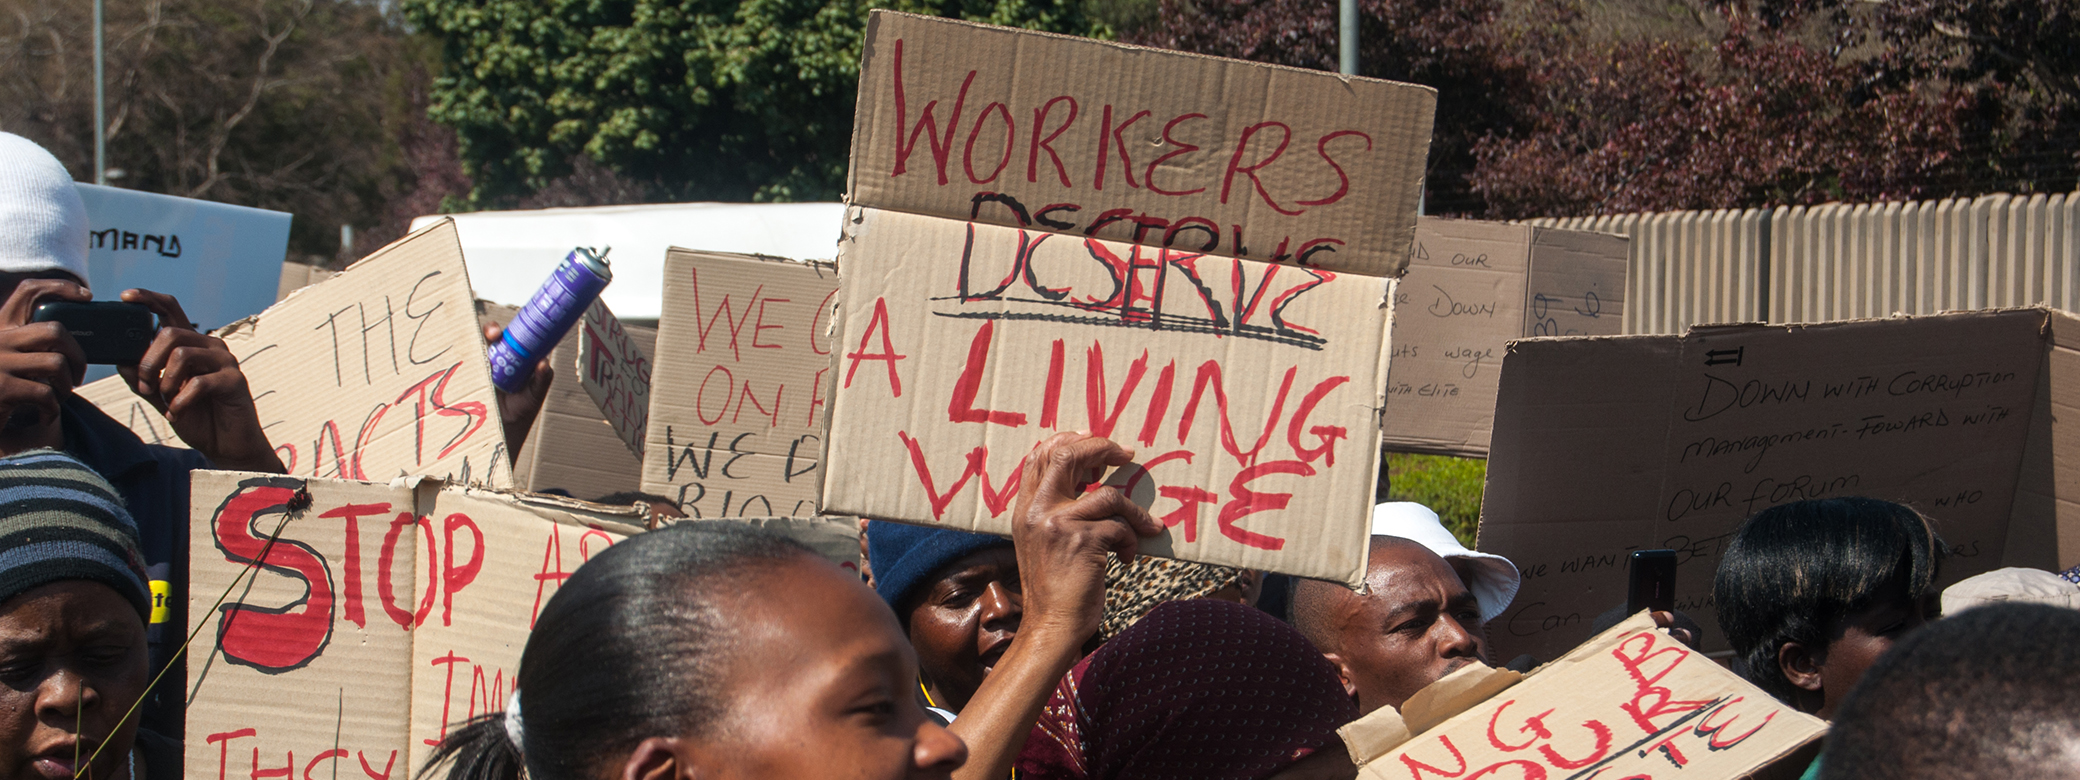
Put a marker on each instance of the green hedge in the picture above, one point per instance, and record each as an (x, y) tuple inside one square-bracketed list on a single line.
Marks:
[(1452, 486)]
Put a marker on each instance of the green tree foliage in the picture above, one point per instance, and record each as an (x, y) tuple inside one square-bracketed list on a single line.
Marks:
[(304, 106), (692, 99), (1565, 107)]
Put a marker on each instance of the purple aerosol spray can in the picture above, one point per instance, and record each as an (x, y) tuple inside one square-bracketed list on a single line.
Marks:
[(563, 298)]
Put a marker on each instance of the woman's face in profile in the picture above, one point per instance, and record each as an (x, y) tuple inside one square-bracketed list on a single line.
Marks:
[(824, 686), (72, 664)]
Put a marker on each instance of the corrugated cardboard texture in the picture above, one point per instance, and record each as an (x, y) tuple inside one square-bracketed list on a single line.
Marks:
[(296, 276), (2045, 530), (1471, 287), (116, 400), (1251, 390), (381, 613), (379, 371), (1605, 445), (572, 445), (1631, 703), (741, 384), (1026, 129), (614, 369)]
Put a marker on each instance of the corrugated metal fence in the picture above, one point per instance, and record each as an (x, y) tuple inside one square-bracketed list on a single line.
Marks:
[(1841, 261)]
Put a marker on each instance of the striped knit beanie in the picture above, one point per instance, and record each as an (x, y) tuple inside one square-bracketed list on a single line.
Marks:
[(61, 521)]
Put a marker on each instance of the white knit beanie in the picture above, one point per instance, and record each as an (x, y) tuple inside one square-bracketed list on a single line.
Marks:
[(43, 223)]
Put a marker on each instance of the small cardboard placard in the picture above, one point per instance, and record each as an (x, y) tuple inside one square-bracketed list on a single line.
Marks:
[(1631, 703), (357, 623), (1607, 445), (573, 447), (614, 368), (379, 371), (1471, 287), (736, 419), (1251, 389), (1092, 138)]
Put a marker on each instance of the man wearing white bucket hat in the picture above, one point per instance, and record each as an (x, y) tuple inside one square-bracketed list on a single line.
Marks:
[(1492, 578), (1422, 616)]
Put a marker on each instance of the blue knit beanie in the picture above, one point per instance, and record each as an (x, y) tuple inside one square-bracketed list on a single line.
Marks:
[(59, 520), (904, 557)]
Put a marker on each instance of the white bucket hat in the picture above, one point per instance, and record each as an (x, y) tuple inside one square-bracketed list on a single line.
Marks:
[(1495, 579), (43, 222), (2016, 585)]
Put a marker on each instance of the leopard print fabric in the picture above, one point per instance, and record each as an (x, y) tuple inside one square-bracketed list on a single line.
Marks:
[(1132, 590)]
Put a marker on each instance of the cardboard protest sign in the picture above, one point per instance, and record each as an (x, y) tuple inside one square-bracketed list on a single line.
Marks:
[(737, 403), (1605, 445), (379, 371), (573, 445), (1470, 288), (1632, 703), (222, 261), (1251, 389), (1163, 148), (2044, 530), (614, 369), (359, 619)]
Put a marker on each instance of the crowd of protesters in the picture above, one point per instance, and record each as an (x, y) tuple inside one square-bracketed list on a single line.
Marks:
[(716, 651)]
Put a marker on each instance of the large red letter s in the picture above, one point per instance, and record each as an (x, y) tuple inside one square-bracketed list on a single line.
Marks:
[(272, 639)]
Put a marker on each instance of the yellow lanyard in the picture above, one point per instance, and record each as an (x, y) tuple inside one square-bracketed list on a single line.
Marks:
[(928, 700)]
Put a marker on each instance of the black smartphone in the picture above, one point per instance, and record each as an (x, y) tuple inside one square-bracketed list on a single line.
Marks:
[(109, 332), (1653, 582)]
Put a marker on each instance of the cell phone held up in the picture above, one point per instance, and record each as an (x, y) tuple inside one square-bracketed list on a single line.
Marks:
[(109, 332), (1653, 582)]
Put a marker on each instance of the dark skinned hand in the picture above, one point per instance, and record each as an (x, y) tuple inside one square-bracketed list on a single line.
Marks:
[(516, 411), (1062, 528), (38, 361), (194, 380)]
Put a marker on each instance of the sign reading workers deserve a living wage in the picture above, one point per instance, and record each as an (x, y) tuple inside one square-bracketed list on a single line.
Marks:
[(1250, 390), (1607, 445), (1162, 148), (739, 395), (379, 371), (1471, 287), (359, 620), (1631, 703)]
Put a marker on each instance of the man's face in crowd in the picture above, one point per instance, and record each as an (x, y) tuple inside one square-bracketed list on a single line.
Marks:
[(1419, 624), (72, 663), (964, 621)]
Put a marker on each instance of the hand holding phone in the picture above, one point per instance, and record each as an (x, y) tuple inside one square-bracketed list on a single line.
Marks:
[(1652, 584), (108, 332)]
